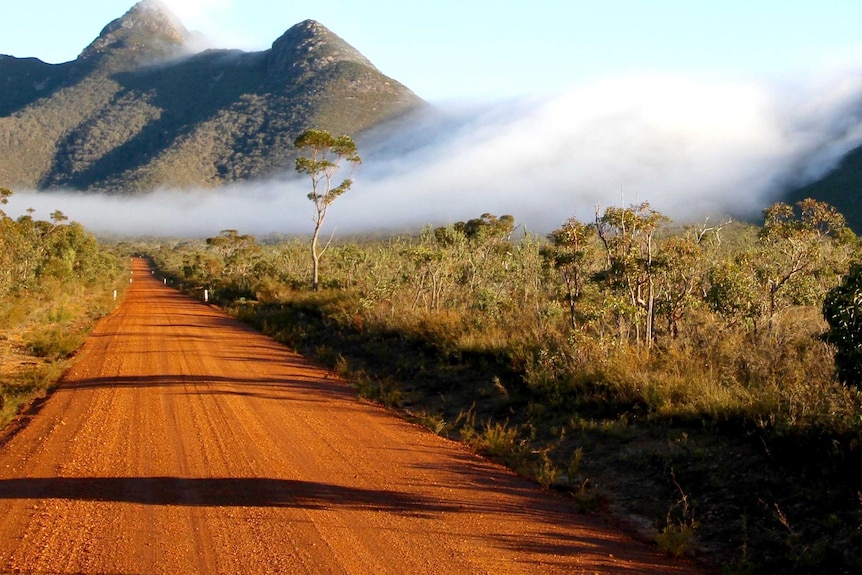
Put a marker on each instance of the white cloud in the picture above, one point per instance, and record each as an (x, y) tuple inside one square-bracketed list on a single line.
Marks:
[(691, 146)]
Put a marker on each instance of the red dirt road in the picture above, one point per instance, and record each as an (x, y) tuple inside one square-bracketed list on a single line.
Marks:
[(183, 442)]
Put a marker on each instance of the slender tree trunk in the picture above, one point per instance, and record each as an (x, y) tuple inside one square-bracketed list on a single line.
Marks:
[(572, 306), (650, 294), (315, 260), (650, 314)]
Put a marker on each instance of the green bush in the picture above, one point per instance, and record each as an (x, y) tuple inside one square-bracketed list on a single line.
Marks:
[(842, 309)]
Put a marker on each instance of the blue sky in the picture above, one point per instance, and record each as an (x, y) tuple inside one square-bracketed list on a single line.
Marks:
[(447, 50)]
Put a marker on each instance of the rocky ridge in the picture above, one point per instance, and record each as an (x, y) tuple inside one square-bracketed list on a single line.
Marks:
[(138, 111)]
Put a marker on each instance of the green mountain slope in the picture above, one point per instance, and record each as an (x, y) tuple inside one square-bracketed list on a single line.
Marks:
[(135, 111), (841, 187)]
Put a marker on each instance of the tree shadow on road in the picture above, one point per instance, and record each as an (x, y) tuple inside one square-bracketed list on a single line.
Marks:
[(296, 388), (220, 492)]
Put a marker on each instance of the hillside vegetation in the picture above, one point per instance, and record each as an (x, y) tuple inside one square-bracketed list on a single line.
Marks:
[(677, 373), (841, 187), (135, 111), (55, 281)]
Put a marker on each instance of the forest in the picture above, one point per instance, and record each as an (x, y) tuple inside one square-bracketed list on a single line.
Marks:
[(684, 373)]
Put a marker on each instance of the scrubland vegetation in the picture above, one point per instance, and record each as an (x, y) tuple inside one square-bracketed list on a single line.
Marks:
[(55, 281), (680, 373), (686, 375)]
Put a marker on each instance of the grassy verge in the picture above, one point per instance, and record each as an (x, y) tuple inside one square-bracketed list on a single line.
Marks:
[(27, 385), (39, 334), (741, 492)]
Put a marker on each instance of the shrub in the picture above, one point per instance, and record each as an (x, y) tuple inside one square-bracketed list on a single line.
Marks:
[(842, 310)]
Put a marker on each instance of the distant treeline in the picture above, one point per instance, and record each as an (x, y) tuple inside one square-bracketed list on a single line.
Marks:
[(35, 255)]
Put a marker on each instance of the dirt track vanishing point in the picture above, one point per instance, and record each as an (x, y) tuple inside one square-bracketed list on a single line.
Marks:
[(184, 442)]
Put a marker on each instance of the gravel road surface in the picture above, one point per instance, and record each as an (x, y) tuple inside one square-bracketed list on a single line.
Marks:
[(184, 442)]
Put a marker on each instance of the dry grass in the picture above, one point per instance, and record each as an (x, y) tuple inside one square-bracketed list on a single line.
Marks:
[(41, 331)]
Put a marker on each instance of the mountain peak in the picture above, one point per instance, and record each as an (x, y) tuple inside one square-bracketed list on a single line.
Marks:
[(148, 31), (138, 111), (309, 47)]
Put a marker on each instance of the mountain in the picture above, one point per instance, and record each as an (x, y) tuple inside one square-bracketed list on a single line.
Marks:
[(137, 110), (841, 187)]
